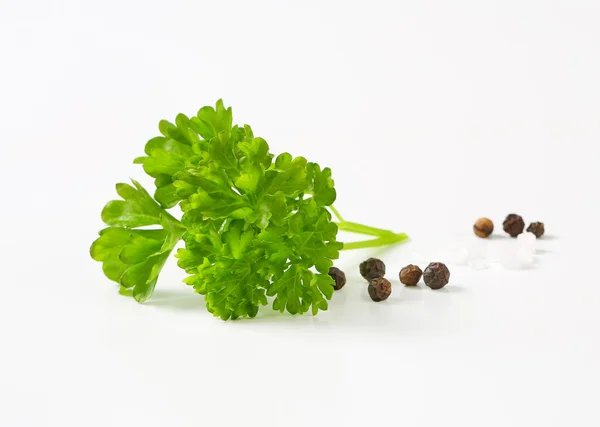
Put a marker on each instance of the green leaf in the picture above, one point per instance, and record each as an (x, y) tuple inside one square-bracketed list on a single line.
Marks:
[(238, 240), (184, 126), (215, 197), (161, 162), (320, 184), (167, 195), (233, 289), (171, 146), (107, 249), (125, 292), (133, 257), (298, 289), (249, 180), (275, 243), (222, 151), (255, 159), (169, 130), (203, 241), (272, 208), (137, 208), (288, 176), (167, 155), (256, 151), (211, 121)]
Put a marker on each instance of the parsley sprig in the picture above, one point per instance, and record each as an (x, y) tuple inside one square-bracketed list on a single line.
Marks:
[(255, 226)]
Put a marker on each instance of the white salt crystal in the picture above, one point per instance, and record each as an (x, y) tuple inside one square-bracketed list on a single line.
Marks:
[(515, 258), (454, 254), (525, 257)]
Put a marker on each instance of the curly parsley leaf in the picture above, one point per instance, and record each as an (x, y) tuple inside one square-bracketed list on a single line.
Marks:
[(131, 256)]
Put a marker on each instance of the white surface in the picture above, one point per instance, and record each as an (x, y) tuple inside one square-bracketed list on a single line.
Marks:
[(431, 114)]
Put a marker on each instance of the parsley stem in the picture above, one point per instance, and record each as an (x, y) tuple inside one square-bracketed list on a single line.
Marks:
[(336, 213), (373, 243), (384, 237), (174, 221), (354, 227)]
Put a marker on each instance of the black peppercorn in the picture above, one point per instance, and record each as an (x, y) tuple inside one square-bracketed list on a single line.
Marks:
[(436, 275), (379, 289), (410, 275), (536, 228), (513, 225), (339, 277), (372, 268), (483, 227)]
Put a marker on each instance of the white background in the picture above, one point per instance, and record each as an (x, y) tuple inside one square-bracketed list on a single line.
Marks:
[(430, 114)]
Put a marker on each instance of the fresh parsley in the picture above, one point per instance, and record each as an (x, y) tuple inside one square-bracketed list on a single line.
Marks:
[(254, 226)]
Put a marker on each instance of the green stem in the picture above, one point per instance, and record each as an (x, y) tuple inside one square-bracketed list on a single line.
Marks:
[(175, 221), (373, 243), (363, 229), (384, 237), (336, 213)]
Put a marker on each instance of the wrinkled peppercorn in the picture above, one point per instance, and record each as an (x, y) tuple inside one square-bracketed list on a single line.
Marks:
[(379, 289), (372, 268), (483, 227), (436, 275), (339, 277), (410, 275), (513, 225), (536, 228)]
